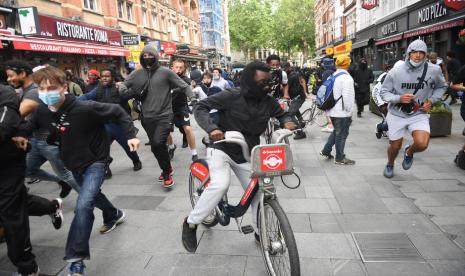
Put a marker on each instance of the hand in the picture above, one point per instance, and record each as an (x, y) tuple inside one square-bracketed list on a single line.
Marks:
[(286, 97), (406, 98), (133, 144), (21, 142), (290, 125), (426, 106), (216, 135)]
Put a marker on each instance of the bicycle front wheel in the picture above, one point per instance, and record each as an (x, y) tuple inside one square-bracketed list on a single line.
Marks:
[(277, 241), (195, 186)]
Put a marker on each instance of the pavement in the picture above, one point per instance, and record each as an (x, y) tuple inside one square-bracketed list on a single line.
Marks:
[(412, 224)]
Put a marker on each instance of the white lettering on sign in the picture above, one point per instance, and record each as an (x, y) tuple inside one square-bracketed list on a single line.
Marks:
[(389, 28), (432, 12), (81, 32)]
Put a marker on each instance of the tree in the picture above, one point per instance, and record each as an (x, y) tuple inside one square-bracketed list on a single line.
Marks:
[(249, 25), (294, 27)]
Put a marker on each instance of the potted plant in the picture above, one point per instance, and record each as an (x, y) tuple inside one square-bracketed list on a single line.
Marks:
[(440, 119)]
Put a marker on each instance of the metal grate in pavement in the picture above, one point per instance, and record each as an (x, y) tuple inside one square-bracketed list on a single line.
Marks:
[(386, 247), (137, 202)]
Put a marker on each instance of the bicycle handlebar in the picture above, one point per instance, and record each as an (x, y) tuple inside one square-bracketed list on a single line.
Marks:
[(235, 137)]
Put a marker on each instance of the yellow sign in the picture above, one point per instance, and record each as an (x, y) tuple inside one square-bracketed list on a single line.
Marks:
[(329, 51), (343, 48), (134, 52)]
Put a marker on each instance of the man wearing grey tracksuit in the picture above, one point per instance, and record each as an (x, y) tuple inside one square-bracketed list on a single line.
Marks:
[(409, 102)]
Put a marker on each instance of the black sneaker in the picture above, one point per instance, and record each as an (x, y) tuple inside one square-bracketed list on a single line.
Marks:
[(108, 227), (379, 132), (326, 156), (257, 238), (57, 216), (137, 166), (300, 135), (345, 161), (65, 189), (189, 236), (171, 152), (195, 157)]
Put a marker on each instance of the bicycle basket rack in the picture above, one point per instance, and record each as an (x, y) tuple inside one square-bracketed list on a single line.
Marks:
[(272, 160)]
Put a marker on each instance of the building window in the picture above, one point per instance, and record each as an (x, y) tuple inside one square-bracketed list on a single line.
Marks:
[(154, 20), (120, 9), (90, 5), (144, 18), (129, 11)]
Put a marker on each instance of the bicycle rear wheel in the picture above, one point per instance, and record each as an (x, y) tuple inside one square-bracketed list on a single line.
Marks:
[(280, 255), (195, 186)]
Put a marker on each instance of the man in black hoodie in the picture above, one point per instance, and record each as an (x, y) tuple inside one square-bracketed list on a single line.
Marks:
[(363, 77), (157, 113), (79, 128), (13, 193), (246, 110)]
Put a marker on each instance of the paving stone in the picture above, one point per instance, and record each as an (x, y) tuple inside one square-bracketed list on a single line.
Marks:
[(324, 223), (301, 206), (138, 202), (227, 243), (201, 264), (318, 192), (117, 263), (386, 190), (437, 247), (400, 205), (399, 269), (368, 223), (449, 268), (300, 223), (162, 264), (323, 246)]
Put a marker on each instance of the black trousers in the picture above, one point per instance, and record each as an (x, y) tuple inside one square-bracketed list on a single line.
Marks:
[(158, 130), (38, 206), (295, 112), (14, 215)]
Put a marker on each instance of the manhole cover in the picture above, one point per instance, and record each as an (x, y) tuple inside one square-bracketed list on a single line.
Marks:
[(137, 202), (386, 247)]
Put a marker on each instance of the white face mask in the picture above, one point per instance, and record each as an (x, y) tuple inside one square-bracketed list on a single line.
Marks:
[(416, 64), (216, 76)]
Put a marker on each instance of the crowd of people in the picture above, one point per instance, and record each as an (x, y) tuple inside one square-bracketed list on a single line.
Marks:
[(47, 114)]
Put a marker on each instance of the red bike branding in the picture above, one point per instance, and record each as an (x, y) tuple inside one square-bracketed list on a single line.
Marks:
[(200, 171), (249, 190), (273, 159)]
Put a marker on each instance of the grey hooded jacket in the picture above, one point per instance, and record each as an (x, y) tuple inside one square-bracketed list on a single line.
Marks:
[(404, 77), (157, 103)]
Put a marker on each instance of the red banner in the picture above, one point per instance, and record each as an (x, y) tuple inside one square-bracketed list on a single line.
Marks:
[(60, 28), (388, 40), (454, 4), (67, 48), (434, 28), (369, 4)]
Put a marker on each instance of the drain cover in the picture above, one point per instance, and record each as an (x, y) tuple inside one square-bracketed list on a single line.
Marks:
[(386, 247)]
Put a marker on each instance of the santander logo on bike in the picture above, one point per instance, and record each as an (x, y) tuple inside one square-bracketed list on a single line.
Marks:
[(273, 159)]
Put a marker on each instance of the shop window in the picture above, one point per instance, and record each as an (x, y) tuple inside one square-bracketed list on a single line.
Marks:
[(91, 5)]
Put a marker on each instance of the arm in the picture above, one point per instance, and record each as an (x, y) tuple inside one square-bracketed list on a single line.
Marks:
[(88, 96), (386, 90), (77, 89), (10, 119), (348, 94), (202, 109), (179, 83), (444, 72), (283, 116), (113, 113), (27, 106), (372, 77), (439, 88)]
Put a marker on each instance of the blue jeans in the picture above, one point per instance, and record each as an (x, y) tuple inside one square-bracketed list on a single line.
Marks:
[(115, 132), (90, 181), (338, 137), (42, 152)]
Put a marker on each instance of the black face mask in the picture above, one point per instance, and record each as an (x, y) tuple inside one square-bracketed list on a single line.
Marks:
[(260, 90), (363, 65), (149, 61), (207, 84)]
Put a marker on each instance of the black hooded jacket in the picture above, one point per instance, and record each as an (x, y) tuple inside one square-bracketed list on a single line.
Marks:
[(9, 123), (239, 110)]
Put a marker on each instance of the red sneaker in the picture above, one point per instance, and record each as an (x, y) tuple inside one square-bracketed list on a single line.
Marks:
[(160, 178), (168, 181)]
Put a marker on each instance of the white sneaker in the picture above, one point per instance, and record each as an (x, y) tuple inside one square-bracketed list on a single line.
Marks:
[(327, 129)]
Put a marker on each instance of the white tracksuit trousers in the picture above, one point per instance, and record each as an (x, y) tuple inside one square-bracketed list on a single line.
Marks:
[(220, 166)]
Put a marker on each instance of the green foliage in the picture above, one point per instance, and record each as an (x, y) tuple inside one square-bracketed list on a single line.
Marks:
[(440, 107), (285, 25)]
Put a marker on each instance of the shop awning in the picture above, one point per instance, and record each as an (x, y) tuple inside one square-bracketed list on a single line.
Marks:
[(435, 27), (65, 47), (389, 39), (360, 44)]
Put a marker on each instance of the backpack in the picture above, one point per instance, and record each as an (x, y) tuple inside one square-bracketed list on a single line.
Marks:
[(325, 97)]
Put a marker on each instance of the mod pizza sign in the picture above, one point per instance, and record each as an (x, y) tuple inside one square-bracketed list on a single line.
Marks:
[(369, 4)]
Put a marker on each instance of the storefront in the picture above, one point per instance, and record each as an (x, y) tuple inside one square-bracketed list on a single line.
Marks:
[(438, 24), (66, 44), (364, 46), (389, 42)]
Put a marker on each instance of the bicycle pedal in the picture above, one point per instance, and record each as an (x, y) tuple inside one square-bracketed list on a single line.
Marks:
[(247, 229)]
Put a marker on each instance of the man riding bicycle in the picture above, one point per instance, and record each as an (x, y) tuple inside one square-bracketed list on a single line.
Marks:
[(246, 110)]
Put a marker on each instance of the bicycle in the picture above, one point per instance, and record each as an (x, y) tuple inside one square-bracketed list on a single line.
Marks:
[(314, 115), (277, 242)]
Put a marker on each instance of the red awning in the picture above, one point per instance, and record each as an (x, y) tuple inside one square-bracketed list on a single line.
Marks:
[(389, 39), (434, 28), (58, 46)]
